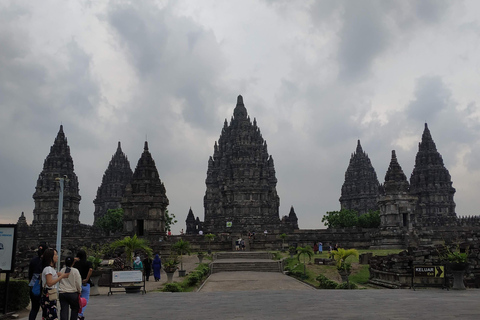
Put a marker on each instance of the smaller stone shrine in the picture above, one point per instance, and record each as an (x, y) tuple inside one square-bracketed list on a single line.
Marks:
[(145, 200)]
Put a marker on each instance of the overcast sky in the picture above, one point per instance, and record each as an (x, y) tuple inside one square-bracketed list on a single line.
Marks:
[(317, 76)]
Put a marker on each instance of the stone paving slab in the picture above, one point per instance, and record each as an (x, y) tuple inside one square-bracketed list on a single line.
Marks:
[(290, 304), (251, 281)]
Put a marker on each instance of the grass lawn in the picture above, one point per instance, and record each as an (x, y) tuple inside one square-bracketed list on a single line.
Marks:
[(359, 275)]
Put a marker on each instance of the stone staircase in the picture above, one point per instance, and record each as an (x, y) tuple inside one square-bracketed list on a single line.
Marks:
[(245, 261)]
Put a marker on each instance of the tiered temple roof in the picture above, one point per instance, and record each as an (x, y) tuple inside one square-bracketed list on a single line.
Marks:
[(431, 183), (115, 178), (145, 199), (58, 164), (241, 183), (360, 189)]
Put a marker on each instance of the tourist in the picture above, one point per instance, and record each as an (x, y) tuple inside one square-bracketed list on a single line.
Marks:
[(156, 265), (242, 242), (35, 272), (320, 248), (147, 267), (181, 232), (137, 264), (237, 244), (49, 278), (69, 290), (265, 232), (315, 248), (85, 267), (169, 232), (336, 247)]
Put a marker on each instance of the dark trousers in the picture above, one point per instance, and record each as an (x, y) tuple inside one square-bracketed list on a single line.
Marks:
[(35, 306), (69, 299)]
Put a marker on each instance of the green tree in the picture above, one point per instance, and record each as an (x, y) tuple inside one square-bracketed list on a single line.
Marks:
[(370, 219), (169, 220), (304, 252), (131, 245), (341, 219), (181, 247), (112, 221)]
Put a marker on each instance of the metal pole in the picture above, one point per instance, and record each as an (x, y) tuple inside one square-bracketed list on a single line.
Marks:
[(59, 221)]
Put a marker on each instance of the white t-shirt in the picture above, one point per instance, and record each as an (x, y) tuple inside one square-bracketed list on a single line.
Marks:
[(48, 270)]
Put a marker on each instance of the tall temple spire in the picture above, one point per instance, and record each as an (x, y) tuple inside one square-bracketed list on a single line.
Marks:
[(431, 183), (145, 200), (58, 163), (241, 182), (115, 178), (360, 189)]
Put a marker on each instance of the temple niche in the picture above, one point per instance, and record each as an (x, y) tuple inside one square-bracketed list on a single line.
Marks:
[(241, 190), (431, 183), (58, 164), (145, 200), (360, 189), (114, 181)]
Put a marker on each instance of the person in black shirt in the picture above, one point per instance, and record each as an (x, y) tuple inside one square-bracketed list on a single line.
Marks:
[(35, 270), (85, 267)]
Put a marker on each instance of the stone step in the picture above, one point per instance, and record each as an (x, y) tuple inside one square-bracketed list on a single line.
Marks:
[(238, 265), (244, 255)]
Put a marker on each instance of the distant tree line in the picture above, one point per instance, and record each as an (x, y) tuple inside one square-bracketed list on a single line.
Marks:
[(349, 218)]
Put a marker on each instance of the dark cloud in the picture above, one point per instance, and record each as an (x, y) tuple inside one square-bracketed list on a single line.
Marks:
[(431, 97)]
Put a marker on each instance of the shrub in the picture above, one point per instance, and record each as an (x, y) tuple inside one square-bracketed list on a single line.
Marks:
[(203, 268), (346, 286), (18, 295), (298, 274), (172, 287), (326, 283), (194, 277)]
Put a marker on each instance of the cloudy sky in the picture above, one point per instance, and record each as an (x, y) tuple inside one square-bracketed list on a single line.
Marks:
[(317, 76)]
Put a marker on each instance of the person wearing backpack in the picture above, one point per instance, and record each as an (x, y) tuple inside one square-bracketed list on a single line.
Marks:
[(34, 276)]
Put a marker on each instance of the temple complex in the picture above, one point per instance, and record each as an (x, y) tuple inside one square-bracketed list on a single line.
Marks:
[(114, 181), (58, 164), (145, 200), (241, 193), (360, 189)]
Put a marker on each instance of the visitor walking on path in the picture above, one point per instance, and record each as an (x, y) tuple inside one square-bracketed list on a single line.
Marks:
[(138, 265), (156, 265), (49, 278), (70, 289), (320, 247), (147, 267), (35, 272), (85, 268)]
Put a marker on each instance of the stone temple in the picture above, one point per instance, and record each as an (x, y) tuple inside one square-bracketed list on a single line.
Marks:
[(58, 164), (241, 193), (360, 189), (114, 181)]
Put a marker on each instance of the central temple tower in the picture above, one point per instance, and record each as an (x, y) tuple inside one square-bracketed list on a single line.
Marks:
[(241, 185)]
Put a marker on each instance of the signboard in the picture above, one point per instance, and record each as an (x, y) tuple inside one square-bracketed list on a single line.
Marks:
[(127, 276), (229, 224), (7, 247), (429, 271)]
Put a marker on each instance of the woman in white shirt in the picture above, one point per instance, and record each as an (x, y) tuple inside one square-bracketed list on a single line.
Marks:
[(49, 278), (69, 289)]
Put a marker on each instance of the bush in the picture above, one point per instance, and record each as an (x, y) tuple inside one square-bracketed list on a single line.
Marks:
[(344, 285), (203, 268), (298, 274), (194, 277), (326, 283), (18, 295), (172, 287)]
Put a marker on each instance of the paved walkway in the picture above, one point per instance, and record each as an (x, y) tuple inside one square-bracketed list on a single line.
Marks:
[(244, 295)]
